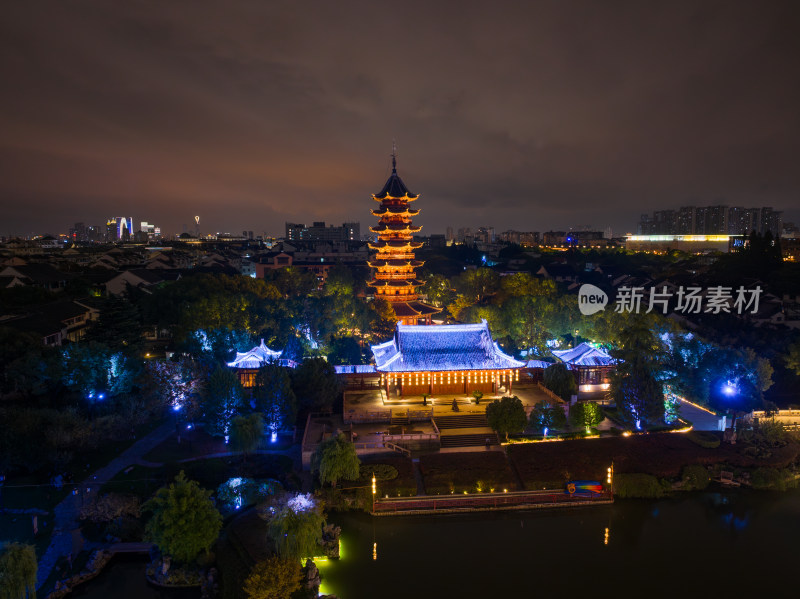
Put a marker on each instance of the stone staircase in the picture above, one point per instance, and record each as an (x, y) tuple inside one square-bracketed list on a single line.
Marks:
[(467, 430)]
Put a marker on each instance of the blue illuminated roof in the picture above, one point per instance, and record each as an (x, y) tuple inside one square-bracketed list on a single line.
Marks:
[(584, 355), (255, 358), (441, 348)]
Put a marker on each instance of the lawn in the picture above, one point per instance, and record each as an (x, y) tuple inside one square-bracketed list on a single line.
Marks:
[(663, 455), (474, 472), (210, 473), (404, 485), (196, 442)]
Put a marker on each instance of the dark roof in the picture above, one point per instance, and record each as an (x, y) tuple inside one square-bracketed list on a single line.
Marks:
[(406, 309), (42, 273), (394, 188), (441, 348)]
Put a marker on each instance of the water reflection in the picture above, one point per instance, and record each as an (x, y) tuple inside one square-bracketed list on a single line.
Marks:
[(714, 540)]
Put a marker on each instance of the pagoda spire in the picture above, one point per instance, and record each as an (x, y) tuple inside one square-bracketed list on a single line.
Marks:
[(394, 156)]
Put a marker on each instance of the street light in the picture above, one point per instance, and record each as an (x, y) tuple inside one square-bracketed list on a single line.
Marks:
[(374, 491)]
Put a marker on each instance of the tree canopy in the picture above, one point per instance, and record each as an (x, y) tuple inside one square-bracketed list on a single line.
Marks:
[(507, 415), (18, 568), (336, 459), (184, 520), (560, 381), (294, 525), (273, 578)]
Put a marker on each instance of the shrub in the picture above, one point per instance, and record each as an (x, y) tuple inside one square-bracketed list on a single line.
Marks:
[(705, 439), (637, 486), (695, 477), (772, 478)]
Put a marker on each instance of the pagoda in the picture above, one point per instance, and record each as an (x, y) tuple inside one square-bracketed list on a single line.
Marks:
[(394, 276)]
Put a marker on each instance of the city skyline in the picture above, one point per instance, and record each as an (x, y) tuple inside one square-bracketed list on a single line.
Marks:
[(543, 112)]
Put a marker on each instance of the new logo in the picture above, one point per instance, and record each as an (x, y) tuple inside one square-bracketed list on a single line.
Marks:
[(591, 299)]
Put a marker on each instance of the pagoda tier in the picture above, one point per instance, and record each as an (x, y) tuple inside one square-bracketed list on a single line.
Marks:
[(394, 211), (394, 264)]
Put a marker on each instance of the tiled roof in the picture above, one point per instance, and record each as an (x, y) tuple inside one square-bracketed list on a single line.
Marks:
[(441, 348), (355, 369), (394, 188), (255, 358), (584, 355)]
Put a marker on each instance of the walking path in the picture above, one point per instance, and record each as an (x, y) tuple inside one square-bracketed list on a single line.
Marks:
[(66, 513)]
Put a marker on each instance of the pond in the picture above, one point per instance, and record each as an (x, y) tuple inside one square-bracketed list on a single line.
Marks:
[(709, 545)]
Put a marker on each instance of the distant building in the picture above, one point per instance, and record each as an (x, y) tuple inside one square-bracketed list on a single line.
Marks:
[(710, 220), (319, 232)]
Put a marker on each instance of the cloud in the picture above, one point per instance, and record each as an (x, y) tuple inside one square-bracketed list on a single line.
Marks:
[(536, 116)]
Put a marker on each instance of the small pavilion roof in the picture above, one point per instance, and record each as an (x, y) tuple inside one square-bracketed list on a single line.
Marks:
[(584, 355), (438, 348), (255, 358)]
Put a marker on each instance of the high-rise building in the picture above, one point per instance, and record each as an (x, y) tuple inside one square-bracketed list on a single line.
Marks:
[(771, 221), (394, 266), (743, 221), (119, 228)]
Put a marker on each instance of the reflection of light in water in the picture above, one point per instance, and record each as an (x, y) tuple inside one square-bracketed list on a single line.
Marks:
[(375, 551), (605, 537)]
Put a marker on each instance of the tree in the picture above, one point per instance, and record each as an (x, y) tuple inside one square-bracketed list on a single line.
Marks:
[(184, 521), (336, 459), (585, 414), (544, 416), (638, 393), (792, 358), (174, 383), (560, 381), (273, 578), (506, 415), (222, 401), (345, 350), (274, 397), (18, 570), (294, 524), (382, 320), (247, 432), (119, 326), (315, 384), (477, 283)]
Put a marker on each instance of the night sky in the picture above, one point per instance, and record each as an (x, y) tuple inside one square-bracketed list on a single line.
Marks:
[(517, 115)]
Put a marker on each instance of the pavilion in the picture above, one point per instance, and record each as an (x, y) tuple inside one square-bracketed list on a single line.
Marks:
[(247, 363), (592, 367), (444, 360)]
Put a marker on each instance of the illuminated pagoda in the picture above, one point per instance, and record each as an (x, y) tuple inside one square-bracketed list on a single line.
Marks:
[(454, 359), (394, 276)]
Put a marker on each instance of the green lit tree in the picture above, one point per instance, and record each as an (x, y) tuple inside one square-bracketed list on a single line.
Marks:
[(273, 578), (336, 459), (585, 415), (184, 520), (18, 568), (506, 416)]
